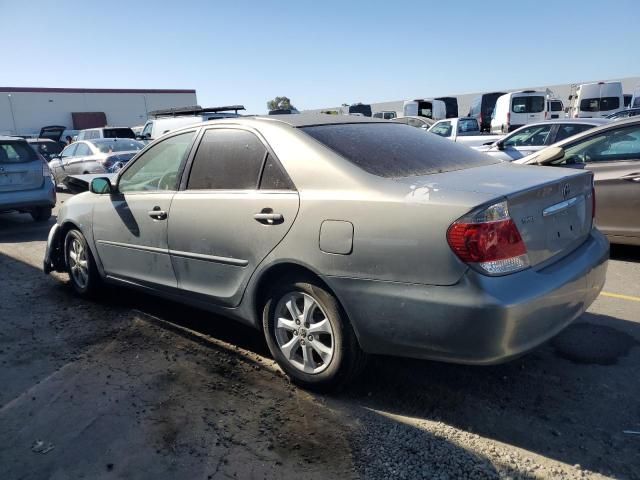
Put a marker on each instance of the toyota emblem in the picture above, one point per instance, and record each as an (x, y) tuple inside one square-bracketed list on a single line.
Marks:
[(566, 190)]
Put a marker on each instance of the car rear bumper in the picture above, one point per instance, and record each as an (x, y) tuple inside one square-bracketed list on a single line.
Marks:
[(481, 319), (44, 196)]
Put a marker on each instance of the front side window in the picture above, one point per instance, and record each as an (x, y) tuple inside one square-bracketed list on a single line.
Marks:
[(608, 146), (158, 168), (392, 151), (146, 131), (556, 106), (527, 104), (69, 151), (16, 152), (227, 159), (529, 137), (443, 129), (83, 150)]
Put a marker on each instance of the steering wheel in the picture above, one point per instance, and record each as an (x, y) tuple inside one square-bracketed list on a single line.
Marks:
[(167, 181)]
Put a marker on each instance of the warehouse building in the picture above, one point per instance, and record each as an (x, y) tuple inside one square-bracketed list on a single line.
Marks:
[(24, 110)]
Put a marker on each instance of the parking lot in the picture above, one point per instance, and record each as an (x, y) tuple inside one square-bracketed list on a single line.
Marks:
[(133, 386)]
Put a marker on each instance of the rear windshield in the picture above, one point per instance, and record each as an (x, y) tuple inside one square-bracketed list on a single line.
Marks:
[(527, 104), (603, 104), (16, 152), (118, 146), (119, 133), (394, 150)]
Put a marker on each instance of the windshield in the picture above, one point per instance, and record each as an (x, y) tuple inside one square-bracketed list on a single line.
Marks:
[(393, 150), (122, 145)]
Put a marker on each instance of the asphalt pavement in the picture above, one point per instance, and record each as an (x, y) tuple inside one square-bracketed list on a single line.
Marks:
[(132, 386)]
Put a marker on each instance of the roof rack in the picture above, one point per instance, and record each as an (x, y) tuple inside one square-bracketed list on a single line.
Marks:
[(194, 110)]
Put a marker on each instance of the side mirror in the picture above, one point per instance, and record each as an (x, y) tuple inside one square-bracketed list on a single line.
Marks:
[(100, 186), (548, 155), (500, 145)]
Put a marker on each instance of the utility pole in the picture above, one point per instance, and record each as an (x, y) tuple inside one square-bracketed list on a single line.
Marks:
[(13, 117)]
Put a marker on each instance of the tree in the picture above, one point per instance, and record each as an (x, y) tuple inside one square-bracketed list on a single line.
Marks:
[(280, 103)]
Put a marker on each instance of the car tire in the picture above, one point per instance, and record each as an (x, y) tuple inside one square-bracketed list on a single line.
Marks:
[(41, 214), (80, 265), (324, 356)]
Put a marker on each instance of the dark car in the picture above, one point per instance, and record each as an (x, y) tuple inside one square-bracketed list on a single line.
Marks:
[(361, 108), (46, 147)]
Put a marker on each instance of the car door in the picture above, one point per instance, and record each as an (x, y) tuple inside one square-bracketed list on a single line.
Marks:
[(75, 165), (58, 167), (130, 224), (614, 158), (236, 204)]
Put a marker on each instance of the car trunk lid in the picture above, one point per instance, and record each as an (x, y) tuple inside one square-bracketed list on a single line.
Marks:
[(551, 207)]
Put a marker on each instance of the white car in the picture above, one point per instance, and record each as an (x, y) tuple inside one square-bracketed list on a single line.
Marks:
[(515, 109), (536, 136)]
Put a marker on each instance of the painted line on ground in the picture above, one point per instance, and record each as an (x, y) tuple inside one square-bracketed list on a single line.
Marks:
[(623, 297)]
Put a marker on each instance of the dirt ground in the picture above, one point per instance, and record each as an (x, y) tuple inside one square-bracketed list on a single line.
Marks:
[(132, 386)]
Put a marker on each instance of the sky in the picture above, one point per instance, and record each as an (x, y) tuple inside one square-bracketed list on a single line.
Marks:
[(319, 54)]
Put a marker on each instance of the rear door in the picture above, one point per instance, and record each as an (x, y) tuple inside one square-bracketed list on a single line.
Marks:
[(75, 165), (20, 167), (237, 203)]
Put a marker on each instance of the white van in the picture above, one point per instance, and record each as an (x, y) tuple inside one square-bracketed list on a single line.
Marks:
[(596, 100), (425, 107), (515, 109), (635, 100), (173, 118)]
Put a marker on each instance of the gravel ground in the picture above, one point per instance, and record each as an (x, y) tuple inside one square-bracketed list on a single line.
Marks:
[(132, 386)]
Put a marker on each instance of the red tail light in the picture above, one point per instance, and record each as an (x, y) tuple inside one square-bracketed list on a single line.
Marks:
[(490, 240)]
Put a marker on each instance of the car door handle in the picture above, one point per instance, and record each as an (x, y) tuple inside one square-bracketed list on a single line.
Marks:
[(269, 218), (158, 214)]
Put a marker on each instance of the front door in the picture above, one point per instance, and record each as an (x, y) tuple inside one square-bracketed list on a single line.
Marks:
[(237, 205), (130, 225), (614, 158)]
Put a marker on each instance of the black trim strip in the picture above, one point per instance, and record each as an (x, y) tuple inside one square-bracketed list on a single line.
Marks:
[(130, 246)]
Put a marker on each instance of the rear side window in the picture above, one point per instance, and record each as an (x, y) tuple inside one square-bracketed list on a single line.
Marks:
[(391, 150), (16, 152), (118, 133), (227, 159), (274, 177), (603, 104), (527, 104), (569, 130)]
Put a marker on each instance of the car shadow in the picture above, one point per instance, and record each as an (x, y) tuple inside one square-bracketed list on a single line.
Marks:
[(20, 227)]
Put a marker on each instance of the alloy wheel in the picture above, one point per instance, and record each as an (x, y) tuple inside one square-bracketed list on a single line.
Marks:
[(304, 332)]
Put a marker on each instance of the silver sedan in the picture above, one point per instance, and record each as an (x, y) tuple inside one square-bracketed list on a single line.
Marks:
[(342, 236), (93, 156)]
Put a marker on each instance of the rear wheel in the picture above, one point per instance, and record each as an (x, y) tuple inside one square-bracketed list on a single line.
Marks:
[(41, 214), (310, 337), (81, 266)]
